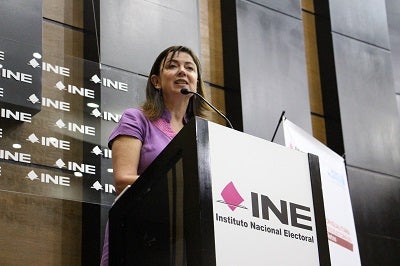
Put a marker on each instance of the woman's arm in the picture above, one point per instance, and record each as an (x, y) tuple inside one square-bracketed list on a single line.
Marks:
[(125, 159)]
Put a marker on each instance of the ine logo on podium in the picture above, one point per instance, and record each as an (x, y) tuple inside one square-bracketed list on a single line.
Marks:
[(231, 197)]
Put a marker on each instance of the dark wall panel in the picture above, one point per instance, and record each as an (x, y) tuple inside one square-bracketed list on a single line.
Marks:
[(40, 230), (370, 119), (134, 32), (375, 199), (272, 70), (21, 21), (21, 76), (364, 20), (379, 250), (20, 55)]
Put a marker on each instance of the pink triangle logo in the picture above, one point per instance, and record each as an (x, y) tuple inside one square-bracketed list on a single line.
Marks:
[(231, 196)]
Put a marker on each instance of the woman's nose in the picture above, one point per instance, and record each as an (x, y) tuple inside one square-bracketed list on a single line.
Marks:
[(182, 70)]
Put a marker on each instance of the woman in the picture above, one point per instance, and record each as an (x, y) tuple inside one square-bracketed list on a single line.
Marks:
[(142, 134)]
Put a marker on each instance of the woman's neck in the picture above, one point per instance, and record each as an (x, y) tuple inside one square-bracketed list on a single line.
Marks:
[(178, 113)]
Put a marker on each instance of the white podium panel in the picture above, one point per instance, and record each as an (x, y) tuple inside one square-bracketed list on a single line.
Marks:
[(262, 201)]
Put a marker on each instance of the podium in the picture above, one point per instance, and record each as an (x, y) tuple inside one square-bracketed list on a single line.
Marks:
[(217, 196)]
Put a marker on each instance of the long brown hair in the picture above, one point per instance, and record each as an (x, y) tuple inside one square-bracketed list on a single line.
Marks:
[(154, 106)]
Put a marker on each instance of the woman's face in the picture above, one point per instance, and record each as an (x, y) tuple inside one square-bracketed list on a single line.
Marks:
[(176, 73)]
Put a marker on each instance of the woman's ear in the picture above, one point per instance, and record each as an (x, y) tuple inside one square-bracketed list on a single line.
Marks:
[(155, 80)]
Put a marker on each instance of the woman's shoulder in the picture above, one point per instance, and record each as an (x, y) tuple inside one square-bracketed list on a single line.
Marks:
[(132, 123), (135, 114)]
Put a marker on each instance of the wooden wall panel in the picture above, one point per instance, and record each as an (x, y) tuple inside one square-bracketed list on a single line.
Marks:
[(70, 12), (313, 73), (216, 96), (318, 128), (211, 41), (59, 41), (314, 82), (39, 230), (211, 56), (308, 5)]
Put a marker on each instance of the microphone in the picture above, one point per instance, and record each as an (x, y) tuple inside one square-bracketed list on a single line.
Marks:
[(277, 126), (187, 91)]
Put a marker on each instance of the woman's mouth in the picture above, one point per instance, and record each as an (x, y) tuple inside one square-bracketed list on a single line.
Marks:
[(181, 82)]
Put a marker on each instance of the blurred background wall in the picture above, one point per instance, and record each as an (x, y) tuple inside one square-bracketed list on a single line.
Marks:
[(70, 67)]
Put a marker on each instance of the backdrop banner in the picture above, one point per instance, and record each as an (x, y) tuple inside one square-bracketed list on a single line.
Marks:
[(343, 246)]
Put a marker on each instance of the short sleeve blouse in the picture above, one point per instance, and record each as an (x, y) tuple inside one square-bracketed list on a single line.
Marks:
[(154, 135)]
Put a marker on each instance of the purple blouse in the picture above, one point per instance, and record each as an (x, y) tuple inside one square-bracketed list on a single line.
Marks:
[(154, 135)]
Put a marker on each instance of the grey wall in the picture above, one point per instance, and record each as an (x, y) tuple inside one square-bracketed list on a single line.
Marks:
[(362, 20), (393, 14), (134, 32), (368, 109), (363, 71), (271, 65)]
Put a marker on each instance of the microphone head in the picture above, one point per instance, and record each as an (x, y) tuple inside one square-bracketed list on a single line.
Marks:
[(185, 91)]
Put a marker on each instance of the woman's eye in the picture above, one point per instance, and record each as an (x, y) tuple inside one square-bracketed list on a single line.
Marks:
[(172, 66)]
